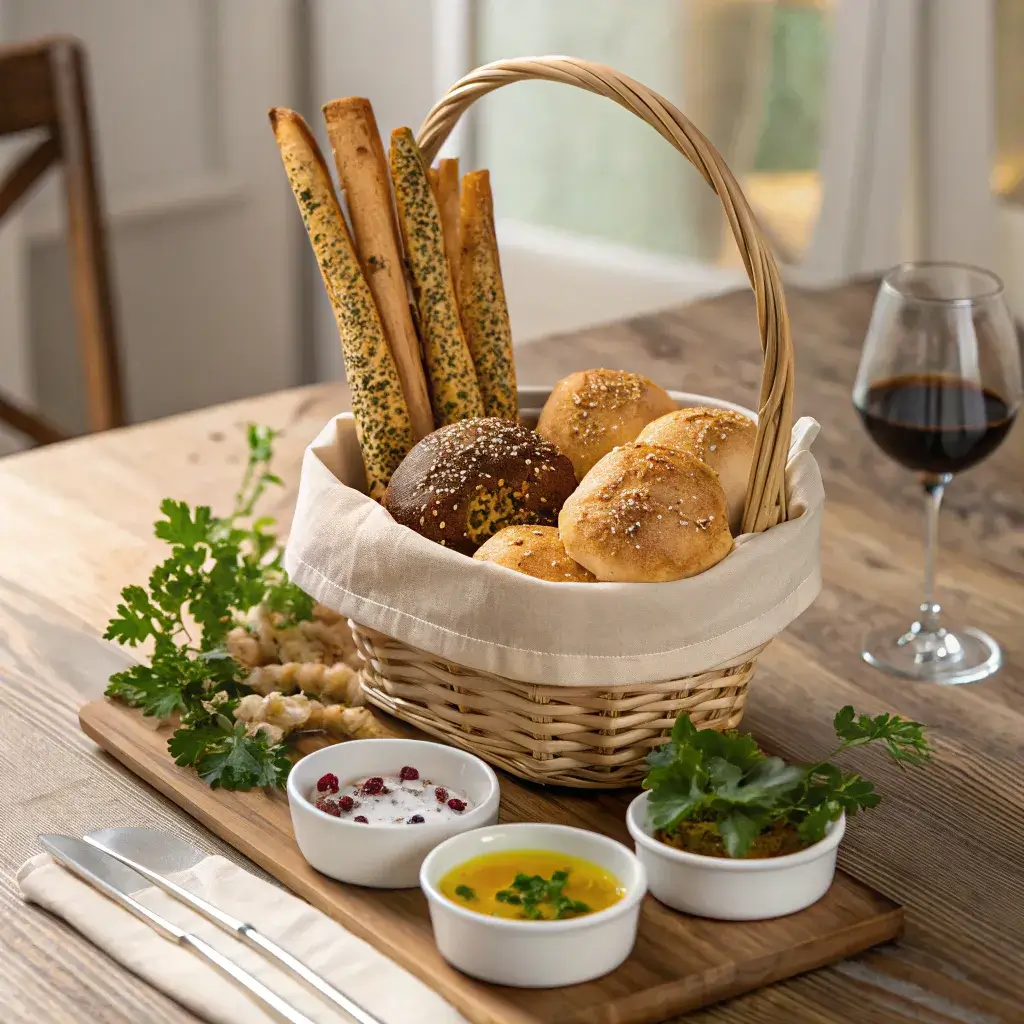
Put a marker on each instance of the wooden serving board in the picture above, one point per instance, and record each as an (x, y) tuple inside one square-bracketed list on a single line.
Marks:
[(679, 963)]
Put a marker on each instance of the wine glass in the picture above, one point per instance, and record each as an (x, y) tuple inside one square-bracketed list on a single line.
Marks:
[(938, 389)]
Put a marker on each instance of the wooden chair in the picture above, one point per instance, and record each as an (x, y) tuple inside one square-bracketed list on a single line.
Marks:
[(43, 86)]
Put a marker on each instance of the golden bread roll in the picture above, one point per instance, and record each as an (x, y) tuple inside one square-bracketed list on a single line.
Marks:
[(454, 392), (482, 299), (536, 551), (722, 439), (466, 481), (647, 513), (590, 412), (383, 425)]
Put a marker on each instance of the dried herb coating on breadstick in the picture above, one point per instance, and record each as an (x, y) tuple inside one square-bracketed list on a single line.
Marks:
[(379, 408), (482, 303), (363, 174), (454, 392)]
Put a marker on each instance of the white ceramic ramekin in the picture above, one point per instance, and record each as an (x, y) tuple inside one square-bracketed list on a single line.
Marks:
[(384, 856), (734, 890), (535, 954)]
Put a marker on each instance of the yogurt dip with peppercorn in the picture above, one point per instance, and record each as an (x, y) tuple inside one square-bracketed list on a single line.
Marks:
[(336, 792), (404, 798)]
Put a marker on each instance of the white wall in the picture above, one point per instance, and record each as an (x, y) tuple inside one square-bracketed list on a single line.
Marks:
[(204, 235), (381, 50)]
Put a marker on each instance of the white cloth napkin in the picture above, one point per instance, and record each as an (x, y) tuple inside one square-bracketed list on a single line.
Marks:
[(349, 963), (489, 618)]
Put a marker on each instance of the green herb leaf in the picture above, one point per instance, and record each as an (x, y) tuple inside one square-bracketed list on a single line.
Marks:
[(217, 571), (182, 526), (739, 829), (675, 797), (724, 779), (533, 893), (465, 892), (137, 618), (243, 762), (150, 689), (901, 737), (813, 827)]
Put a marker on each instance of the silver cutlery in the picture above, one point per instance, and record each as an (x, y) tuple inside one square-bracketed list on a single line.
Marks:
[(154, 854), (120, 882)]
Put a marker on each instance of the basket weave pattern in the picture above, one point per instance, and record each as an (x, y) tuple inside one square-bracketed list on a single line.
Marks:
[(584, 737), (594, 736)]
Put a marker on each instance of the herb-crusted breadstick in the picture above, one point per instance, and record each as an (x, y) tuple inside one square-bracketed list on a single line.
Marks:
[(446, 191), (363, 174), (381, 414), (482, 299), (454, 392)]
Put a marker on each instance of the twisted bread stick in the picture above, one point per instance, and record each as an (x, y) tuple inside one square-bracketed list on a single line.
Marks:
[(278, 716)]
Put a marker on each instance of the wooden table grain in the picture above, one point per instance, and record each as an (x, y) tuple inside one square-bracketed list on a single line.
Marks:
[(947, 841)]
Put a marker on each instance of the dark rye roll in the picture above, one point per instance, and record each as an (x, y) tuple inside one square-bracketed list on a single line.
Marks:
[(466, 481)]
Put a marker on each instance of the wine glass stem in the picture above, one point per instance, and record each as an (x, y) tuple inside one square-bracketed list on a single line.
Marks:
[(934, 489)]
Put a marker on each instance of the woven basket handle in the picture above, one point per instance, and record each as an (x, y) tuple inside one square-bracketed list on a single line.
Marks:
[(766, 492)]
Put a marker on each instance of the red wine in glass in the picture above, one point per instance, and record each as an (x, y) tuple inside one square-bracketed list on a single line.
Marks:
[(938, 389), (934, 423)]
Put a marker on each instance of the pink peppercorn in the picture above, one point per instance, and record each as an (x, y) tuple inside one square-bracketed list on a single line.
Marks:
[(327, 783)]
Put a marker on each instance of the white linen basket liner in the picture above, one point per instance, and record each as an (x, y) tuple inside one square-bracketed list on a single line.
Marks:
[(347, 552)]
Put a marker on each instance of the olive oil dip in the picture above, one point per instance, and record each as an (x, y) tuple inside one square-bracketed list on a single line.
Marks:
[(531, 885)]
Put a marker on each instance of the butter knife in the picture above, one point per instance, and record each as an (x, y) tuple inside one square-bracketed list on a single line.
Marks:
[(119, 882), (150, 851)]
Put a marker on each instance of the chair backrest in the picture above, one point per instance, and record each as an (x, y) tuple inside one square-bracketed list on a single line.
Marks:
[(43, 86)]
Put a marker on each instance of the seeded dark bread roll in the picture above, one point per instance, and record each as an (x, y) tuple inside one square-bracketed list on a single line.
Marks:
[(721, 438), (647, 513), (466, 481), (590, 412), (536, 551)]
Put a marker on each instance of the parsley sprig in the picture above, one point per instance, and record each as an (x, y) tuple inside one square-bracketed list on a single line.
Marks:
[(724, 778), (218, 570), (533, 893)]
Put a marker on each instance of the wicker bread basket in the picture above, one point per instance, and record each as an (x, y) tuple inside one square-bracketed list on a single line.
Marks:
[(596, 736)]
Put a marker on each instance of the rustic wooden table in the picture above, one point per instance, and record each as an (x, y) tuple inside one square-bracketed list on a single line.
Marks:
[(947, 841)]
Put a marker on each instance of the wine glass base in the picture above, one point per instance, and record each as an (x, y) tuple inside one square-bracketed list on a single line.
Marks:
[(948, 656)]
